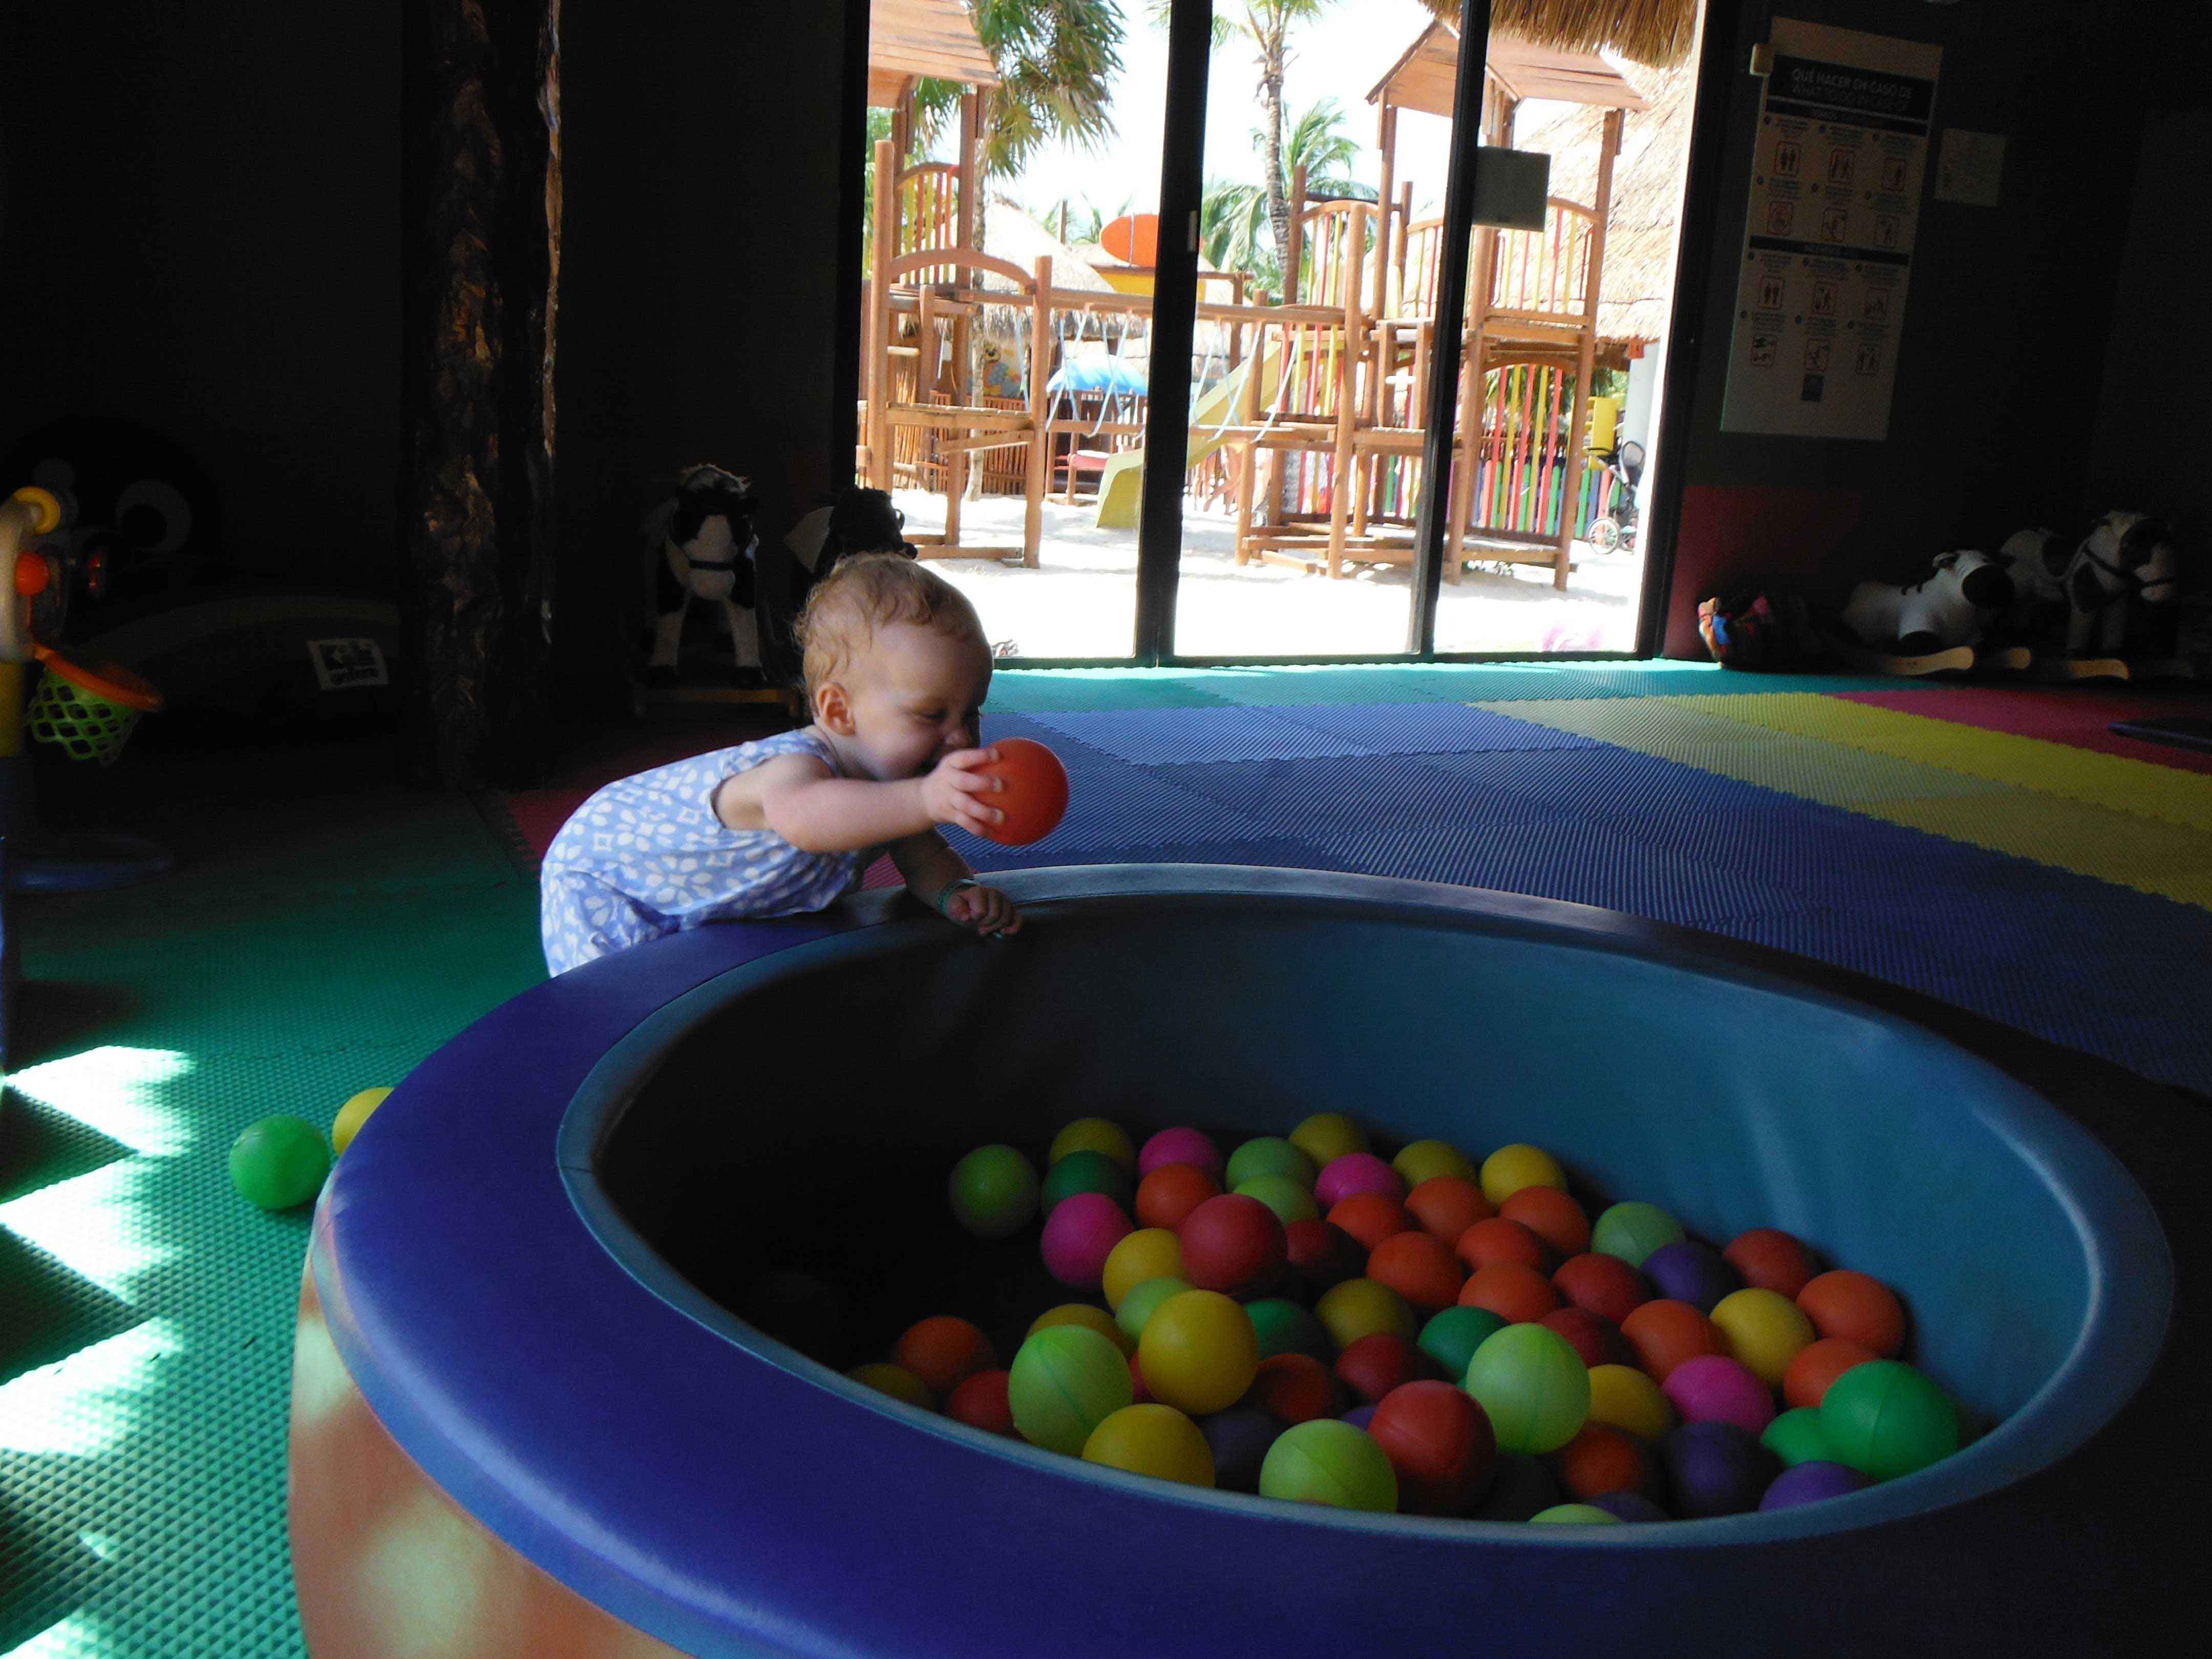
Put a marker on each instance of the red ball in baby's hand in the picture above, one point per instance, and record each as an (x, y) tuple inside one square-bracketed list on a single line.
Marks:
[(1032, 793)]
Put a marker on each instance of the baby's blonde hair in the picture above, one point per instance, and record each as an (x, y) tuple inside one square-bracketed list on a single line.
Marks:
[(867, 594)]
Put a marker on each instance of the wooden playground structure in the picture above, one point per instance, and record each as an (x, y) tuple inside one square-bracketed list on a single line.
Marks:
[(1292, 394)]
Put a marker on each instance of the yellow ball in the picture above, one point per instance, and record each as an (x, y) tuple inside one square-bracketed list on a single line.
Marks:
[(1155, 1440), (1148, 1253), (1094, 1134), (896, 1381), (1090, 1318), (353, 1114), (1765, 1330), (1509, 1169), (1424, 1160), (1629, 1400), (1361, 1307), (1199, 1353), (1327, 1136)]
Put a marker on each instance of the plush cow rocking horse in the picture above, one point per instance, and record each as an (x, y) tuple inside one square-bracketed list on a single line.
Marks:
[(700, 544)]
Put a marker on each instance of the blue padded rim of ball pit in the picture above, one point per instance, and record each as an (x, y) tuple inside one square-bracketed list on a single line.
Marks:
[(565, 1386)]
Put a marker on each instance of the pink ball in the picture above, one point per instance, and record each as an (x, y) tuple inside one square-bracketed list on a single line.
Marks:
[(1078, 1235), (1179, 1146), (1712, 1389), (1358, 1172)]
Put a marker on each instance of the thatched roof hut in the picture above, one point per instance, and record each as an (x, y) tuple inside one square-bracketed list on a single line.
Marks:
[(1657, 33)]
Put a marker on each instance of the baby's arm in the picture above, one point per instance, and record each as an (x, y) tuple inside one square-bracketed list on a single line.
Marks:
[(801, 799), (934, 874)]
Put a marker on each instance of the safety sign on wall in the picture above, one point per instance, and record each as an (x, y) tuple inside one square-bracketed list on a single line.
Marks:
[(1835, 197)]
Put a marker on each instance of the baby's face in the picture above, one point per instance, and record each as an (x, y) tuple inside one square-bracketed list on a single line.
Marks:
[(917, 695)]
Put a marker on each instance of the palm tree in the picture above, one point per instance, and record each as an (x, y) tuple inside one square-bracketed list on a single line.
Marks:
[(1266, 25), (1233, 214)]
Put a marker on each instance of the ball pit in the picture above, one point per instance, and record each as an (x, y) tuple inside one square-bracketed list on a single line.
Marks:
[(1079, 1234), (1327, 1136), (1368, 1219), (1688, 1271), (1439, 1443), (1198, 1351), (1270, 1155), (1142, 1302), (1807, 1382), (1428, 1160), (1154, 1440), (1182, 1145), (1094, 1134), (1451, 1338), (1289, 1200), (1233, 1244), (1444, 1207), (1065, 1382), (1420, 1267), (1358, 1172), (1535, 1387), (1168, 1195), (1326, 1461), (1857, 1308), (1633, 1229), (1147, 1253), (1085, 1171)]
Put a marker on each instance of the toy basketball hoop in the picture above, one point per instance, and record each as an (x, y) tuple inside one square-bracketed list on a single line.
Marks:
[(88, 709)]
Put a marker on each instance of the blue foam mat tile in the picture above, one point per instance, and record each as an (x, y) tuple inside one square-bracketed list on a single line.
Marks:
[(1273, 851), (1386, 791), (1157, 736), (1421, 728)]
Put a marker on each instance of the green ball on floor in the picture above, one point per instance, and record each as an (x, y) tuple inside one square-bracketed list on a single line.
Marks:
[(279, 1162)]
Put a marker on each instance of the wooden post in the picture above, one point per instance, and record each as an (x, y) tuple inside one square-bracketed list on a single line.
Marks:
[(1474, 379), (1343, 484), (1578, 423), (1040, 371), (879, 318), (964, 209), (1386, 139)]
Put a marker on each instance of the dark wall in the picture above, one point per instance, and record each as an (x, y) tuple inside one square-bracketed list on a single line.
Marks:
[(199, 206)]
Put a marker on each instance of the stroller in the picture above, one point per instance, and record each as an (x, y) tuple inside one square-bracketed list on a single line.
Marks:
[(1625, 465)]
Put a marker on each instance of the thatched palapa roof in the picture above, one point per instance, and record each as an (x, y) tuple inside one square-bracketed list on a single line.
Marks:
[(1655, 32), (908, 39)]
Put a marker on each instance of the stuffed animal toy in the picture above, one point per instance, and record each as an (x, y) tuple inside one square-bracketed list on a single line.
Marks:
[(1951, 607), (700, 544), (2122, 580), (2036, 560)]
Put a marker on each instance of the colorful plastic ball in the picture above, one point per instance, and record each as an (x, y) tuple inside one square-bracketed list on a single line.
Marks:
[(1155, 1440), (1420, 1267), (1379, 1362), (1326, 1461), (1143, 1301), (1270, 1155), (994, 1192), (1552, 1217), (1090, 1318), (1712, 1389), (1199, 1353), (1065, 1380), (1360, 1306), (1629, 1400), (354, 1113), (1327, 1136), (1359, 1417), (1358, 1172), (1693, 1272), (1032, 791), (1370, 1217), (1284, 1327), (1595, 1337), (1521, 1487), (1535, 1387), (1166, 1197), (1321, 1256), (1180, 1146), (1603, 1458), (1233, 1244), (1765, 1331), (1295, 1388), (943, 1349), (1424, 1160), (1816, 1368), (1439, 1443), (896, 1381), (1138, 1393), (1631, 1506), (1796, 1437), (1604, 1285), (1575, 1515), (1631, 1231), (1813, 1482), (1147, 1253), (279, 1162), (1444, 1207), (1666, 1332), (1452, 1336), (796, 1308), (980, 1402), (1856, 1308), (1084, 1172), (1239, 1438), (1079, 1234), (1286, 1197), (1497, 1242), (1771, 1260), (1715, 1468), (1094, 1134), (1886, 1418), (1509, 1169), (1517, 1294)]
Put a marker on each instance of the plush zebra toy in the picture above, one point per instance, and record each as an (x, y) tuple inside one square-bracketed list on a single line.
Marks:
[(700, 542)]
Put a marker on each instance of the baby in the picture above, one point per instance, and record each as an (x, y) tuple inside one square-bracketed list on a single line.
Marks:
[(896, 670)]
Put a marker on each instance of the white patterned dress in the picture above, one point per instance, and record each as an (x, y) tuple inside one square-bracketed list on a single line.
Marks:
[(646, 857)]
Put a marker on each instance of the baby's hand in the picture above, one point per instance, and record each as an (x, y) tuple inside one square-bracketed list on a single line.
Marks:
[(951, 792), (984, 910)]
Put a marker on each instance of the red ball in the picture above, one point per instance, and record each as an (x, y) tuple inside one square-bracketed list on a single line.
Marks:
[(1666, 1332), (1552, 1216), (1517, 1294), (1604, 1285), (1438, 1440), (1447, 1206), (1595, 1337), (942, 1350), (1172, 1192), (1806, 1381), (1602, 1458), (1232, 1245), (980, 1402), (1487, 1243), (1370, 1217), (1771, 1260), (1856, 1308), (1420, 1267), (1294, 1388), (1032, 791), (1323, 1256), (1378, 1362)]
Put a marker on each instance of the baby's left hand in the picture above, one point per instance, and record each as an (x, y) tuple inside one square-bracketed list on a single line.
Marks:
[(986, 909)]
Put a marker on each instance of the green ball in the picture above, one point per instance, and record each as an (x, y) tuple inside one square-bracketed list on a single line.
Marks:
[(1885, 1419), (1283, 1327), (994, 1192), (1796, 1437), (1290, 1201), (1575, 1515), (279, 1162), (1142, 1303), (1084, 1171), (1534, 1385), (1328, 1461), (1632, 1231), (1270, 1155), (1065, 1380), (1451, 1337)]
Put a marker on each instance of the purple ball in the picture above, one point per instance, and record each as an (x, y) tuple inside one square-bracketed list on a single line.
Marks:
[(1630, 1506), (1811, 1482), (1358, 1172), (1713, 1390), (1360, 1416), (1715, 1468), (1693, 1272), (1519, 1486), (1240, 1437), (1179, 1146), (1079, 1234)]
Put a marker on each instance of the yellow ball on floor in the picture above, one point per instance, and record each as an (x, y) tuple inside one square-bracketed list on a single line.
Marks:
[(1148, 1253), (1094, 1134), (1765, 1330), (353, 1114), (1509, 1169), (1155, 1440), (1327, 1136), (1629, 1400)]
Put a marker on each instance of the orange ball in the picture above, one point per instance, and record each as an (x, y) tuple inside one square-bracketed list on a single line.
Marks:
[(1552, 1216), (1517, 1294), (1447, 1206), (1172, 1192), (980, 1402), (1771, 1260), (1492, 1242), (1600, 1459), (1604, 1285), (1370, 1217), (1806, 1382), (1665, 1333), (1420, 1268), (943, 1351), (1293, 1387), (1032, 790), (1857, 1308)]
